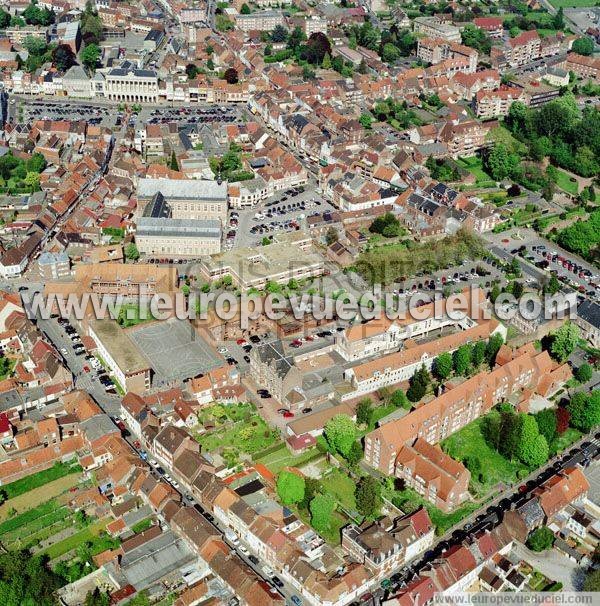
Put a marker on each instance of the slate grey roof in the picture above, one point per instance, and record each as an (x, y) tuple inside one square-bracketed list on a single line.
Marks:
[(590, 312), (178, 228), (183, 189)]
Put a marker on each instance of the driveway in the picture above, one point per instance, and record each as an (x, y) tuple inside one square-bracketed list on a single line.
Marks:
[(552, 564)]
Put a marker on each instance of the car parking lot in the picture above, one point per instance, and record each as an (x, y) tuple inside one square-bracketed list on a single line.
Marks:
[(285, 212), (469, 273), (193, 115), (35, 109), (568, 270)]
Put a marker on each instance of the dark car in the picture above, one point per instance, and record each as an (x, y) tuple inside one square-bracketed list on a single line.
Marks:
[(247, 359), (253, 559), (306, 410), (277, 581), (255, 339)]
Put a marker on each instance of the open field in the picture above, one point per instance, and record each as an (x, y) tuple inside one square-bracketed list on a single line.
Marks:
[(564, 182), (39, 495), (572, 3), (282, 458), (87, 534), (475, 167), (14, 489), (469, 443)]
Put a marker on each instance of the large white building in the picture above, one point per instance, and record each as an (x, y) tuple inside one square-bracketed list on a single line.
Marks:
[(156, 236), (127, 83)]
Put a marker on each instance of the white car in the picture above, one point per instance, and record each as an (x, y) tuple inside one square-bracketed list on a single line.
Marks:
[(175, 484), (223, 350), (154, 462), (63, 350), (244, 550), (268, 572)]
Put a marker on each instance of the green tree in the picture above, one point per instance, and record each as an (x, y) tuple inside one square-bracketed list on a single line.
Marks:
[(552, 286), (592, 580), (476, 38), (321, 509), (418, 385), (461, 359), (390, 53), (564, 341), (495, 293), (473, 464), (532, 449), (279, 34), (585, 410), (26, 579), (231, 76), (583, 46), (559, 19), (399, 400), (366, 120), (364, 411), (96, 598), (326, 61), (509, 433), (173, 164), (540, 539), (478, 353), (295, 39), (368, 496), (494, 344), (90, 56), (91, 24), (331, 236), (63, 57), (131, 252), (290, 487), (584, 373), (32, 180), (442, 366), (546, 421), (191, 71), (245, 10), (355, 454), (4, 19), (340, 433), (311, 488)]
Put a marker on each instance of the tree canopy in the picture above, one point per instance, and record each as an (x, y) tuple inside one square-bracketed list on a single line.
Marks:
[(321, 508), (340, 433), (290, 487)]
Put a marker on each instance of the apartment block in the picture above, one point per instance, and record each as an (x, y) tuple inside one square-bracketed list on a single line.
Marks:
[(433, 27), (524, 369), (493, 103)]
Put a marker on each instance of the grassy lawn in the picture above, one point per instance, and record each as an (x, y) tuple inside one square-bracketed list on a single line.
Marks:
[(282, 458), (572, 3), (469, 442), (58, 470), (142, 525), (88, 534), (475, 167), (564, 182), (238, 429), (341, 487), (408, 500)]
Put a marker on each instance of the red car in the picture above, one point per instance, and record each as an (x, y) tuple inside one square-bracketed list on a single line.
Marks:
[(241, 341), (137, 444), (288, 415), (86, 369)]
